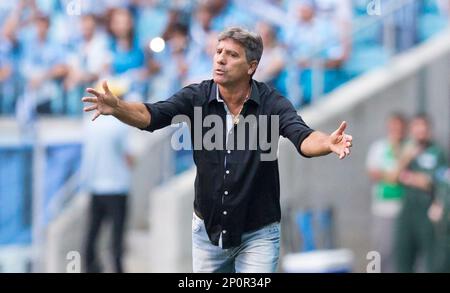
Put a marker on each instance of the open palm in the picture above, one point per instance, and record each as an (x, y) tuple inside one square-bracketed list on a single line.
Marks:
[(341, 142), (104, 103)]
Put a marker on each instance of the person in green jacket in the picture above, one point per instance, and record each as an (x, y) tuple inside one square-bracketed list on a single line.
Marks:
[(415, 236), (439, 214)]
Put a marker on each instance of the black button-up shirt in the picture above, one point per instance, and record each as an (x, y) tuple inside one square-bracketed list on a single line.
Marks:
[(235, 191)]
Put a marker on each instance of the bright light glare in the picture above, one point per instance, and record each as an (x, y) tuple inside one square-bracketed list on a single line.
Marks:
[(157, 44)]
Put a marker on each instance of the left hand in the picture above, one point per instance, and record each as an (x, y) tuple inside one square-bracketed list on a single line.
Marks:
[(340, 143), (435, 212)]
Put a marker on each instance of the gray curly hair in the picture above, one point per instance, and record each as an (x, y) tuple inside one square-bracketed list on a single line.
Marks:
[(252, 42)]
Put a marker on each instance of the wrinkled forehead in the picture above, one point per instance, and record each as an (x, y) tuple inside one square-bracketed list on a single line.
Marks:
[(230, 44)]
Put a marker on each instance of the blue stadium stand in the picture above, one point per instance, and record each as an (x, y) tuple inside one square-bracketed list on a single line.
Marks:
[(15, 194)]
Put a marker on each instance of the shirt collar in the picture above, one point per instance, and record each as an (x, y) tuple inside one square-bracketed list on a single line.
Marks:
[(254, 93)]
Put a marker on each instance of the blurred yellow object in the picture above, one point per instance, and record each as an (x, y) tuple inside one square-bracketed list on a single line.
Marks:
[(117, 86)]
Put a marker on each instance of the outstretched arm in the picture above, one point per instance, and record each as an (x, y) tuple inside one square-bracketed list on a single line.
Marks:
[(321, 144), (131, 113)]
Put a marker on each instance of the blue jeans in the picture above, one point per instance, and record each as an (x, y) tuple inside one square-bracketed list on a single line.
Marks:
[(258, 253)]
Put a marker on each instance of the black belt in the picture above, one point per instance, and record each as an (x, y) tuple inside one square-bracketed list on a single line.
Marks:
[(198, 214)]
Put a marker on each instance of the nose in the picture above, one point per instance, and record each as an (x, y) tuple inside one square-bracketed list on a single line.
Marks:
[(220, 59)]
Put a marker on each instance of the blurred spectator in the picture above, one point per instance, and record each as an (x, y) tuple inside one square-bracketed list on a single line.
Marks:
[(88, 62), (127, 58), (6, 82), (415, 235), (64, 16), (173, 63), (227, 14), (382, 165), (106, 169), (126, 54), (271, 11), (5, 67), (272, 61), (41, 60), (439, 214), (202, 45), (200, 25), (317, 51), (80, 7), (339, 14), (202, 57), (151, 20), (402, 23), (5, 9)]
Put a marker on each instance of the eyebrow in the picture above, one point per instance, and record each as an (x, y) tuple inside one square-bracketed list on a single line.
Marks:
[(228, 51)]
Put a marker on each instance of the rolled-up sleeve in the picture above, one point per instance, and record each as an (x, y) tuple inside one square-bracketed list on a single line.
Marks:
[(292, 125), (163, 112)]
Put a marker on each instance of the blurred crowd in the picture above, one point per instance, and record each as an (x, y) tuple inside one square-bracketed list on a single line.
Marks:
[(51, 50)]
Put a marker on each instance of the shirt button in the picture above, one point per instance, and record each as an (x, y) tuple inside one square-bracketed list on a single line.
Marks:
[(226, 192), (224, 231), (227, 171), (225, 213)]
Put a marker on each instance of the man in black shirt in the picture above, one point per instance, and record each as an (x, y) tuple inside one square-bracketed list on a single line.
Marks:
[(237, 191)]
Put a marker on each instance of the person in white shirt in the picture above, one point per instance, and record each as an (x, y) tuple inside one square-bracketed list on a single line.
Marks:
[(382, 166), (272, 61), (106, 167)]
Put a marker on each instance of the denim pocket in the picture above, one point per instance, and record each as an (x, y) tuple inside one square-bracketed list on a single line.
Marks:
[(196, 223)]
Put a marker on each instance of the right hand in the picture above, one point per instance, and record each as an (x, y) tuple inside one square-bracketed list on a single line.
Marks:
[(410, 153), (104, 104)]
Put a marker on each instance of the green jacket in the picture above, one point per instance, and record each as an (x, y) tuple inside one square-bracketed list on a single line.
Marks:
[(428, 162)]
